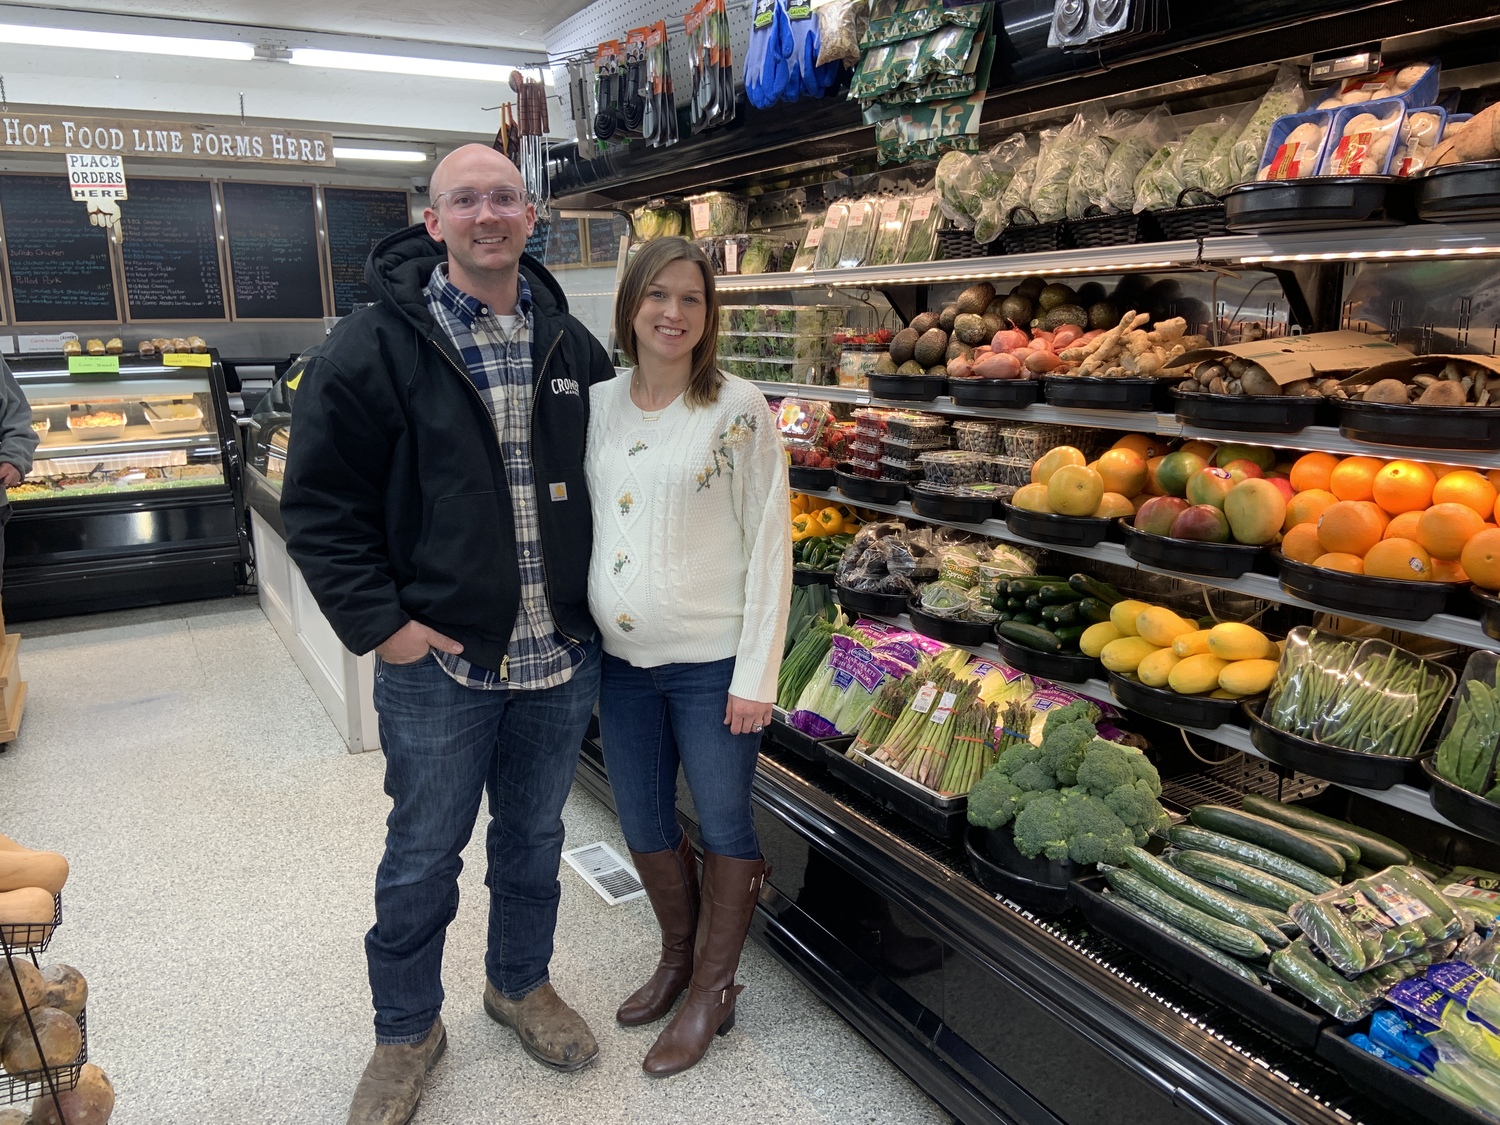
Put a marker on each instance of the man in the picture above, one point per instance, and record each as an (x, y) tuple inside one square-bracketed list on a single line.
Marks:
[(435, 501), (18, 441)]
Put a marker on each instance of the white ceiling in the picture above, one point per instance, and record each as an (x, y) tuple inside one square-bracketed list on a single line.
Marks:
[(473, 23)]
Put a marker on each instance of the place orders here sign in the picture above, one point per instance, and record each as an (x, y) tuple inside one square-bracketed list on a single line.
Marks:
[(96, 175), (248, 144)]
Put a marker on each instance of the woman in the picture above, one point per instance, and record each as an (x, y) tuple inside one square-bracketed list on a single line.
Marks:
[(689, 581)]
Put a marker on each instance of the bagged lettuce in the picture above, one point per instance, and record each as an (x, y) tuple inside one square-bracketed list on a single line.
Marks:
[(1285, 96), (1054, 164), (1218, 170), (1157, 186), (1001, 166), (1019, 192), (1197, 148), (1137, 144)]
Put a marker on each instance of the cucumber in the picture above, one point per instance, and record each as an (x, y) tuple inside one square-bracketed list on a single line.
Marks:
[(1243, 880), (1375, 849), (1358, 871), (1234, 940), (1252, 855), (1059, 593), (1091, 587), (1067, 614), (1094, 610), (1069, 634), (1182, 886), (1021, 587), (1029, 634), (1223, 960), (1300, 970), (1349, 851), (1026, 617), (1431, 870), (1269, 834)]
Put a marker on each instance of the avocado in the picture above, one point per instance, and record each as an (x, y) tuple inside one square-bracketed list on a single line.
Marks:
[(975, 298), (1103, 315), (1055, 318), (911, 367), (885, 365), (992, 323), (940, 369), (957, 348), (931, 347), (995, 307), (1030, 288), (1018, 310), (1054, 295), (969, 327), (1089, 293), (904, 344), (945, 318), (923, 321)]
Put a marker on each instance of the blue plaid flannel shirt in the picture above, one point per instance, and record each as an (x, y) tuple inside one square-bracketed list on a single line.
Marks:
[(499, 366)]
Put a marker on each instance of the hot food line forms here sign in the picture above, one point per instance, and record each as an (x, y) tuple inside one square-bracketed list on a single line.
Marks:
[(242, 144)]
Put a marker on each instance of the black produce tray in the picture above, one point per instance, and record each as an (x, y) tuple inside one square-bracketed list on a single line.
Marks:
[(1318, 203), (1029, 236), (1429, 427), (1359, 594), (30, 937), (805, 479), (864, 490), (955, 243), (1040, 895), (908, 388), (1379, 1081), (1459, 193), (1100, 393), (1342, 767), (1266, 414), (1469, 811), (1049, 527), (943, 817), (961, 509), (804, 745), (1284, 1018), (1114, 230), (993, 392), (1169, 706), (862, 601), (805, 576), (969, 634), (1216, 560), (1059, 667), (1489, 611)]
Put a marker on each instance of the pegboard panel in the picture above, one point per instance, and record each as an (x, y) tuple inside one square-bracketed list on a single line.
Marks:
[(583, 31)]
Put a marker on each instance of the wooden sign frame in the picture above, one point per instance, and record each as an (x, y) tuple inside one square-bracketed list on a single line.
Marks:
[(330, 299), (10, 294), (221, 247), (319, 249), (583, 245)]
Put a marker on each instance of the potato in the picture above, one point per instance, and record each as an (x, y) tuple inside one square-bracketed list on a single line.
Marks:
[(32, 989), (89, 1103), (57, 1032), (1477, 141), (64, 989)]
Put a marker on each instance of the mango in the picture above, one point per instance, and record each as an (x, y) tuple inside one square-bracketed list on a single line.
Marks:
[(1124, 613), (1256, 509), (1175, 469), (1191, 644), (1161, 626), (1247, 677), (1096, 636), (1156, 669), (1195, 675), (1126, 654), (1260, 454), (1229, 640)]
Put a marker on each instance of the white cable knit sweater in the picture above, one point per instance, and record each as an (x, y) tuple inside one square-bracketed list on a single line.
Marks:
[(692, 554)]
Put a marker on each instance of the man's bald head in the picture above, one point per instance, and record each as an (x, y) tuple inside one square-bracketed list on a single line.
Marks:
[(484, 245), (473, 165)]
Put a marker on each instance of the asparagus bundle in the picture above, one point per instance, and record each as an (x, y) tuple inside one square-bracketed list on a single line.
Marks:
[(927, 764), (891, 700), (973, 748)]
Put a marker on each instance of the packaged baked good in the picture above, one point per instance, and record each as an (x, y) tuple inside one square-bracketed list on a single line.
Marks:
[(197, 344), (146, 347), (94, 347), (114, 346), (72, 347)]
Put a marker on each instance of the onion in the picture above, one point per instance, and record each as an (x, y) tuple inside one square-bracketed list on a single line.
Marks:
[(998, 365), (1008, 339)]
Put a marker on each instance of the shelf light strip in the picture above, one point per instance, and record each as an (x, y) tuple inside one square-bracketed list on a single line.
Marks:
[(1362, 255), (969, 275)]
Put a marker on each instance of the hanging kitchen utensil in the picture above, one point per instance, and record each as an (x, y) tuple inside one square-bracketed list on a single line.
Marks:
[(632, 107), (578, 103), (606, 70)]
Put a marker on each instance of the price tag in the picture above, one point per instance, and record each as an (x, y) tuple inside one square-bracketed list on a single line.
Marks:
[(922, 702), (944, 708), (921, 209), (93, 365), (702, 217), (731, 256), (187, 359)]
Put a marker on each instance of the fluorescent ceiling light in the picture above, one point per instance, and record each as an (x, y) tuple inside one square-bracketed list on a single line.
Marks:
[(22, 35), (400, 64), (397, 155)]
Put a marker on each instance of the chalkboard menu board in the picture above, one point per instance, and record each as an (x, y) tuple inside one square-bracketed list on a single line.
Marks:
[(536, 244), (565, 244), (57, 262), (357, 220), (170, 251), (273, 251), (604, 239)]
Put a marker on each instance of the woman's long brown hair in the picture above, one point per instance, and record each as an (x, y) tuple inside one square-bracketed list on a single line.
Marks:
[(642, 270)]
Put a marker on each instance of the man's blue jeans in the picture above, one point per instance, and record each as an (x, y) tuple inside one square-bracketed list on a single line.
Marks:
[(652, 720), (445, 745)]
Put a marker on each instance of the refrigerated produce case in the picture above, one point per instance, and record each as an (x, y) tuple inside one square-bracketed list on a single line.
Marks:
[(133, 497)]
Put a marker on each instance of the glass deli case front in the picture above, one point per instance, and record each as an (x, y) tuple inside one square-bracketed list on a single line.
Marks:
[(133, 494)]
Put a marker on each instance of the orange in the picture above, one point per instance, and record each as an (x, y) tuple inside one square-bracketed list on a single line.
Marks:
[(1306, 507), (1481, 559), (1466, 487), (1378, 512), (1353, 478), (1144, 444), (1123, 470), (1444, 529), (1203, 449), (1337, 560), (1399, 558), (1404, 486), (1445, 571), (1493, 476), (1404, 526), (1312, 470), (1349, 527), (1301, 543)]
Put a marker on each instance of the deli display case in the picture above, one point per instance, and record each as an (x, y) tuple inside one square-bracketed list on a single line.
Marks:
[(133, 497)]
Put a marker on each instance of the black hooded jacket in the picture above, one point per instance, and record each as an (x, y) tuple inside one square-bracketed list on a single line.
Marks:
[(395, 500)]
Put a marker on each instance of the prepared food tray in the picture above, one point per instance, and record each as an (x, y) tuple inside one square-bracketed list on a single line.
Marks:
[(97, 425), (174, 418)]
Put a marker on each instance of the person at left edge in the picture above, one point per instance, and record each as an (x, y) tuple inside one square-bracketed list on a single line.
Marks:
[(18, 441), (435, 500)]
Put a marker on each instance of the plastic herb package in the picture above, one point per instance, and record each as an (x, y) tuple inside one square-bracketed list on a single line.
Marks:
[(1364, 137), (859, 233), (1471, 732), (1378, 919), (715, 214), (998, 169), (807, 253), (1420, 133), (1137, 144), (890, 231), (955, 179), (1157, 187), (1295, 145), (1018, 192), (1197, 148), (921, 230), (1086, 181), (835, 219), (1054, 165)]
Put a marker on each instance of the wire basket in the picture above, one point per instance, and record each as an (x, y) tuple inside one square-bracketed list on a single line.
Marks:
[(1199, 220), (1096, 228), (31, 937), (955, 243), (28, 1085), (1024, 235)]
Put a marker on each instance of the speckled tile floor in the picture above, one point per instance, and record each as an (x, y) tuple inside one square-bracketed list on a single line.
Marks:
[(223, 847)]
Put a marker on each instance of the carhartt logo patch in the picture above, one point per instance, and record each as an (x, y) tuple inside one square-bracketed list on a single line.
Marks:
[(559, 491)]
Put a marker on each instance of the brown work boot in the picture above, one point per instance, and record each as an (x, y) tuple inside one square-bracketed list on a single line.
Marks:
[(730, 890), (552, 1033), (391, 1085), (671, 882)]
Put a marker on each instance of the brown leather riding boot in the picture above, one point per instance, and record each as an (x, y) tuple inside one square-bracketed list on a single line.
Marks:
[(671, 882), (730, 890)]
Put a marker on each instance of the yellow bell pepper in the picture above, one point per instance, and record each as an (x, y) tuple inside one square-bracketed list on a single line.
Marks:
[(802, 527), (800, 502), (829, 521)]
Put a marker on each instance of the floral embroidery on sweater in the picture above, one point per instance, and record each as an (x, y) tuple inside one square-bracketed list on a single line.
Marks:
[(736, 434), (625, 622), (626, 502), (638, 447), (622, 560)]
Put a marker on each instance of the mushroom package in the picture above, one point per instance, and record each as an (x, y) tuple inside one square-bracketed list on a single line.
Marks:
[(1366, 135)]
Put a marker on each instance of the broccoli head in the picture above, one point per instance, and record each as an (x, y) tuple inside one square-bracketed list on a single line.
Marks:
[(1071, 824), (1080, 710), (1042, 826), (1026, 766), (1062, 749), (994, 799), (1106, 766), (1126, 782)]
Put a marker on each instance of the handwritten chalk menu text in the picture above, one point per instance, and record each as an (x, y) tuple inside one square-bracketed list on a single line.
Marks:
[(57, 262), (170, 252), (357, 220), (273, 251)]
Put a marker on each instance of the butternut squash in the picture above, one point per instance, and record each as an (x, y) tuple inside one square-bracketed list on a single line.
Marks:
[(29, 906), (25, 868)]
